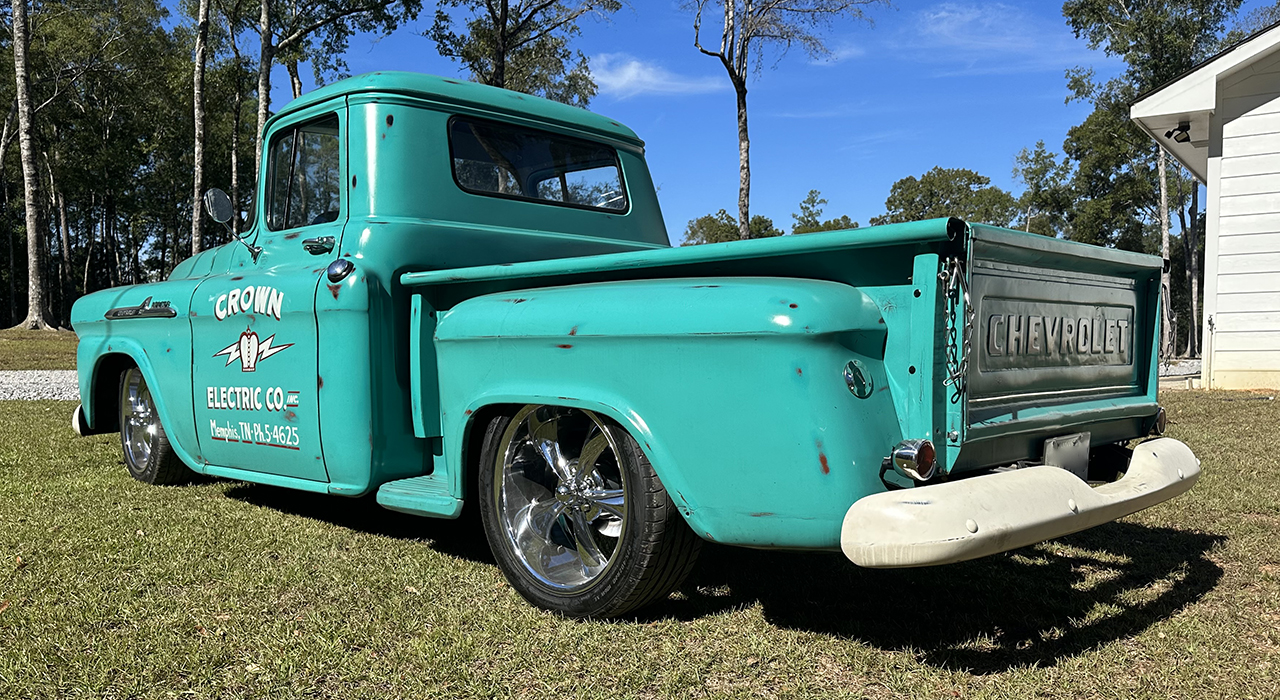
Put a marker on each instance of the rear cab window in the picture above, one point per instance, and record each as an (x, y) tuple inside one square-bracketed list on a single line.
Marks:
[(514, 162)]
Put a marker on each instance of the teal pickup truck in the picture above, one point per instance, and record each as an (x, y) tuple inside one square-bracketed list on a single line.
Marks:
[(452, 294)]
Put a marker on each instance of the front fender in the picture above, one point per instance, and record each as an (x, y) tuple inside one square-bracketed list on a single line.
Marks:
[(733, 387), (159, 346)]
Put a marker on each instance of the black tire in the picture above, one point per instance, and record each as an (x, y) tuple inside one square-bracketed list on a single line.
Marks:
[(651, 554), (151, 461)]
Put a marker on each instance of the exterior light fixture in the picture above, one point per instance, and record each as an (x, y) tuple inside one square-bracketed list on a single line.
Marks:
[(1182, 134)]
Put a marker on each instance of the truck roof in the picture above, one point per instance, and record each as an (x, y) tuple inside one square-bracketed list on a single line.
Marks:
[(468, 94)]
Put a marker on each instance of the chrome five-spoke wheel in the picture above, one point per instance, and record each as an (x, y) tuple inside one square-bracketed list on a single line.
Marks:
[(560, 494), (568, 504), (147, 452)]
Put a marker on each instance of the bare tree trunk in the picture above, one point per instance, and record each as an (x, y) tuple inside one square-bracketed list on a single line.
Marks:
[(295, 82), (744, 165), (264, 81), (1166, 338), (36, 316), (237, 104), (202, 40)]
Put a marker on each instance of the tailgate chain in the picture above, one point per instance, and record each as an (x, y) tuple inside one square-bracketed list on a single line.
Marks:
[(953, 278)]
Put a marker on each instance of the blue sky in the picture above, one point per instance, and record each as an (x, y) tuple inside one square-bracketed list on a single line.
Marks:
[(956, 84)]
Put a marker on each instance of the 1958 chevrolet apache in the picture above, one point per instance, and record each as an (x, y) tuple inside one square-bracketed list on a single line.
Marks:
[(455, 294)]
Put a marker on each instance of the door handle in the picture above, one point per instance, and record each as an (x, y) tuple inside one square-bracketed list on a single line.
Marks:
[(318, 246)]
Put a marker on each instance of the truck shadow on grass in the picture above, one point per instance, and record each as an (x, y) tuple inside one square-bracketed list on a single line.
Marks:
[(461, 538), (1033, 607)]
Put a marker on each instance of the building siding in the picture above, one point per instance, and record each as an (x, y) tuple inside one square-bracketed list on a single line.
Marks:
[(1245, 291)]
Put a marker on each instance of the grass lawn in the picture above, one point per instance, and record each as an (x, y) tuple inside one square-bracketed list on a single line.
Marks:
[(37, 349), (110, 588)]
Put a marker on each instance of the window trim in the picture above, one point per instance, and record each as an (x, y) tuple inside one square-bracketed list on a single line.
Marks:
[(617, 163), (293, 130)]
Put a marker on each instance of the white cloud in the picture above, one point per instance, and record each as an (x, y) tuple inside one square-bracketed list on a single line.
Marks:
[(839, 54), (981, 38), (623, 76)]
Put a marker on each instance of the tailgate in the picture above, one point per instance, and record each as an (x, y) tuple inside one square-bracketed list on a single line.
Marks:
[(1063, 340)]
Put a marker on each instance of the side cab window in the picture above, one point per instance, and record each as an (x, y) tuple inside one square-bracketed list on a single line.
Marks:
[(304, 175)]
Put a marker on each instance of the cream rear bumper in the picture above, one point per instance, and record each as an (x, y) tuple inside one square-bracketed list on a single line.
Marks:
[(971, 518)]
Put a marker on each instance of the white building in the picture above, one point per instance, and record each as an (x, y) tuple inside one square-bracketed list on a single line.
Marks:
[(1222, 121)]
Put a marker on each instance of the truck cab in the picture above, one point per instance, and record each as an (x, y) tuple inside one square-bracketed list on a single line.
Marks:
[(453, 294)]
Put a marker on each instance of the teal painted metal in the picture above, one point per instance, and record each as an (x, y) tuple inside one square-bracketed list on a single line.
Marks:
[(725, 362)]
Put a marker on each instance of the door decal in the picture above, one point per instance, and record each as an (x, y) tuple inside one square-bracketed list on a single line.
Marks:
[(250, 351)]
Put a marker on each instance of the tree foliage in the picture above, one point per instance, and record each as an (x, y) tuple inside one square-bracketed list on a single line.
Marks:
[(944, 192), (521, 46), (1045, 203), (809, 218), (721, 227)]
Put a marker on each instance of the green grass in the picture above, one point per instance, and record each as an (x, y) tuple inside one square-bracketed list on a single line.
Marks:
[(110, 588), (37, 349)]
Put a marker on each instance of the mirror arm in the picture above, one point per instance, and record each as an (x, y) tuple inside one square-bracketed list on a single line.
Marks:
[(254, 251)]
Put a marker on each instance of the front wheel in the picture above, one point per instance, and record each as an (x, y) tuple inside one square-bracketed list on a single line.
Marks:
[(575, 515), (147, 452)]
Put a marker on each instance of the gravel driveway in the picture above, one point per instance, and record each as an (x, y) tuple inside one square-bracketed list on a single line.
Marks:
[(28, 385)]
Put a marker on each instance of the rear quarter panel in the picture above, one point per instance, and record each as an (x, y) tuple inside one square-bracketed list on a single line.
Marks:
[(733, 387)]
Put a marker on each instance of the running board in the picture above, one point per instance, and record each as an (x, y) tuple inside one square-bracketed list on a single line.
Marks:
[(421, 495)]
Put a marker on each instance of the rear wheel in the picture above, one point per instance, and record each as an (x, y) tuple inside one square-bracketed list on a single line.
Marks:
[(147, 453), (575, 515)]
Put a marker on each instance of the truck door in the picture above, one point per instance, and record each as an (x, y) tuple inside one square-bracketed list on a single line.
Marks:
[(254, 327)]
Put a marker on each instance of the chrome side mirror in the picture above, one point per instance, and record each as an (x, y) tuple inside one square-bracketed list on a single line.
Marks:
[(218, 204)]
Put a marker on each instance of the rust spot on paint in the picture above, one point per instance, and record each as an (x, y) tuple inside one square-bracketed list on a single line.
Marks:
[(390, 120), (794, 306), (822, 459), (573, 331), (452, 82), (353, 182), (799, 372), (237, 277), (290, 416), (319, 382), (347, 255), (564, 347), (761, 515), (517, 300), (334, 289), (168, 349), (882, 321), (466, 412), (704, 286), (291, 236)]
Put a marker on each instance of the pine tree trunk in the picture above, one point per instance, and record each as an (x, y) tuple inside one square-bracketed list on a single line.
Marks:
[(295, 82), (202, 40), (36, 315), (1192, 243), (499, 78), (264, 82), (68, 287), (744, 164), (1166, 315), (237, 105)]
